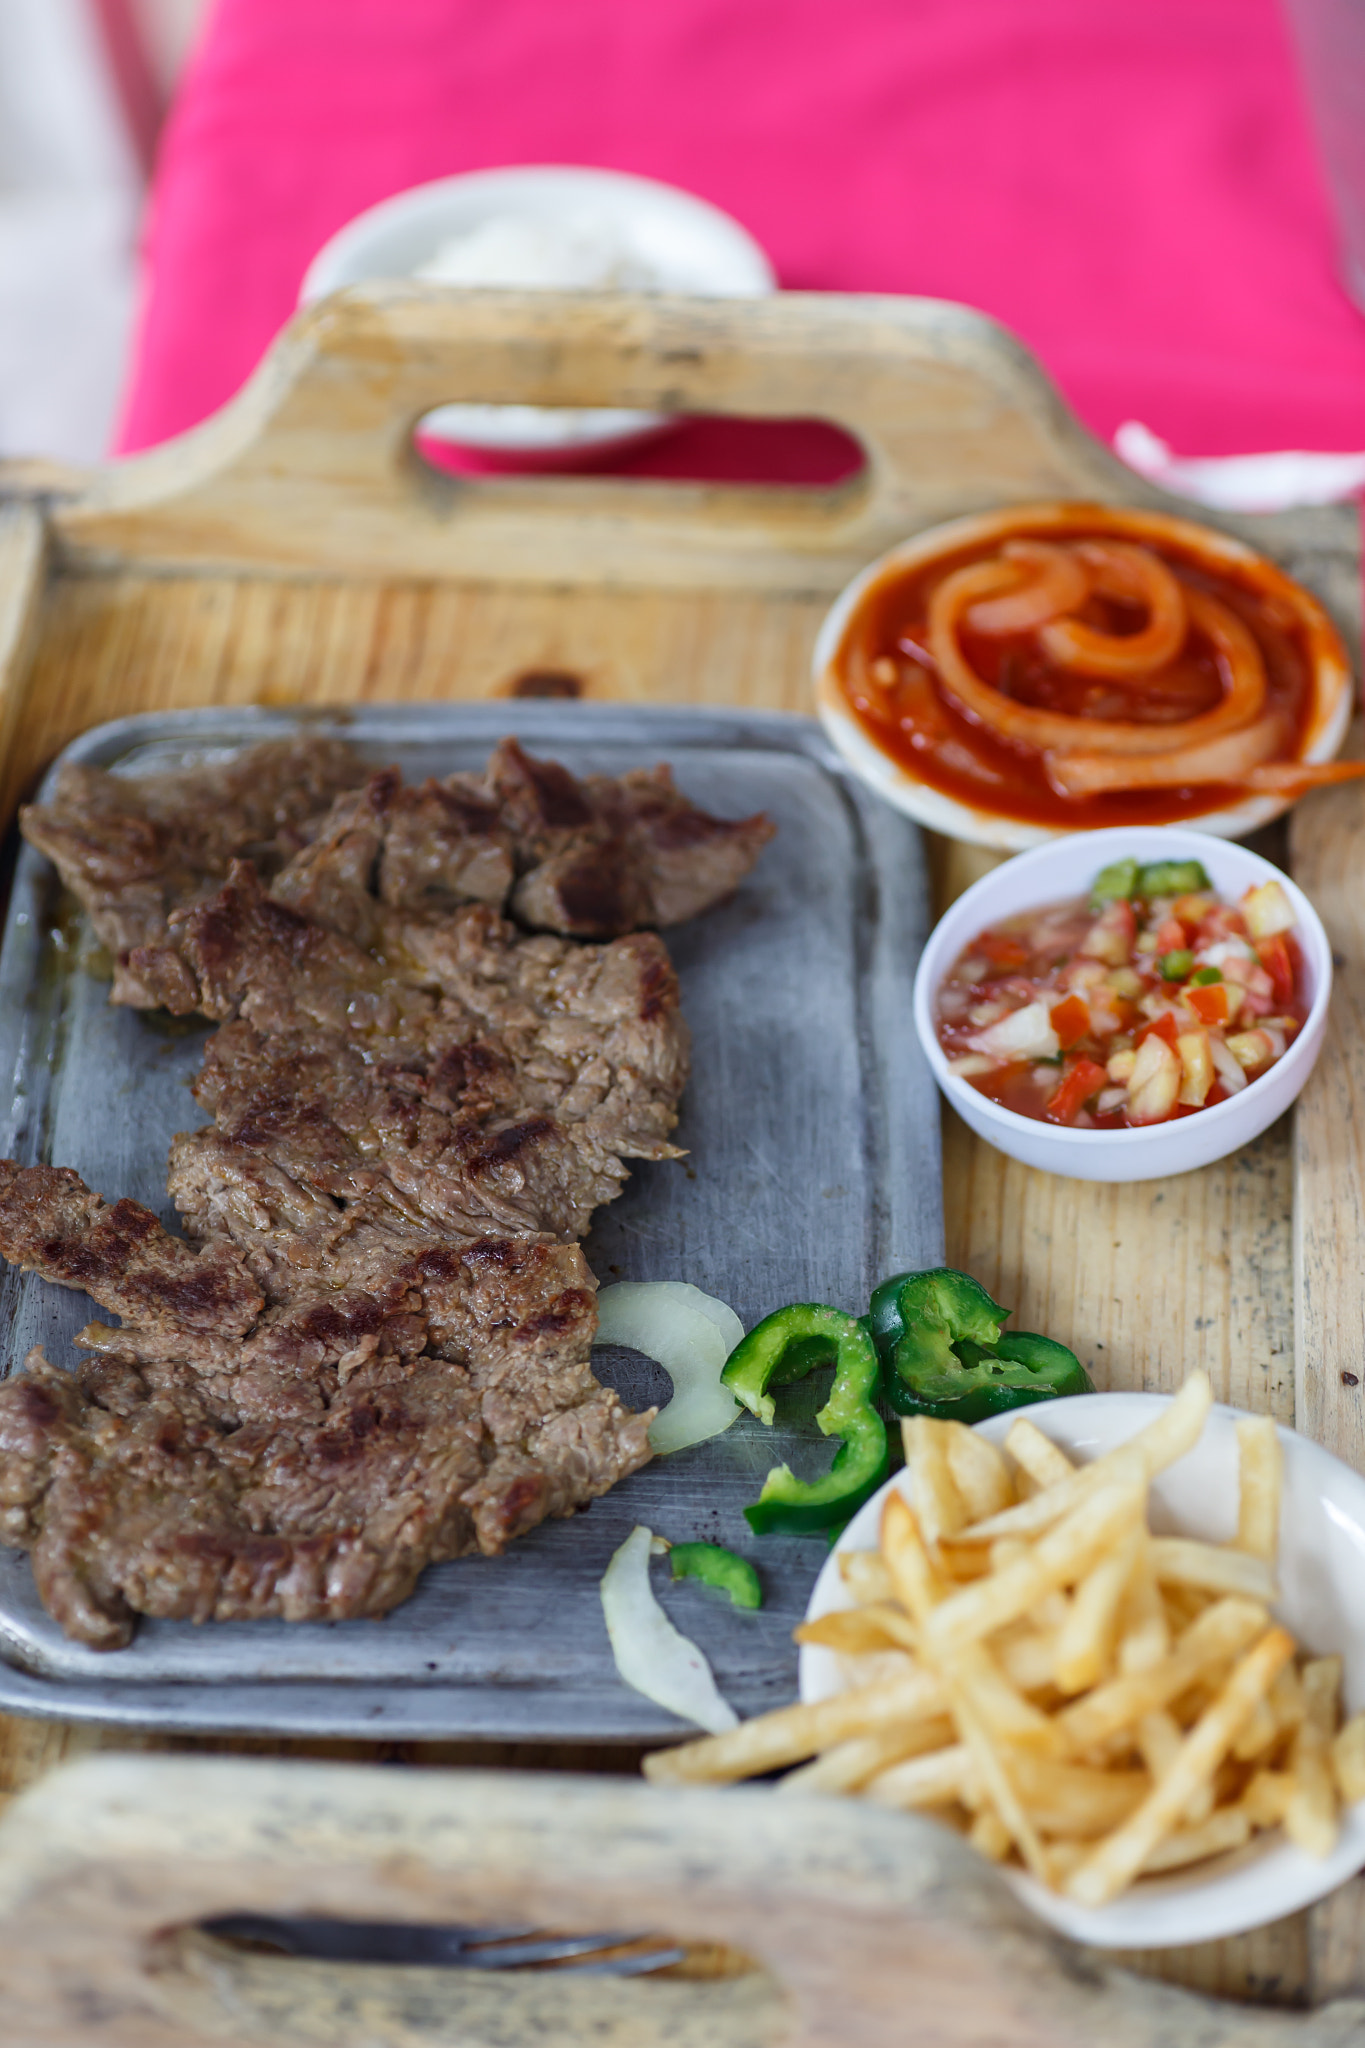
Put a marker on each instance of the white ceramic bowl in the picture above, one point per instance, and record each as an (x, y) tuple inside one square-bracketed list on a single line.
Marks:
[(698, 250), (1331, 712), (1322, 1603), (1065, 867)]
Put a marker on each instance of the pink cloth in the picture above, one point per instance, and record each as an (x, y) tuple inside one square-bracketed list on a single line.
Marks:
[(1133, 190)]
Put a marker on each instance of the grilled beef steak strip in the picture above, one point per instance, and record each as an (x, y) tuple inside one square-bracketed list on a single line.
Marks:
[(606, 856), (313, 1467), (374, 1353), (132, 847), (387, 846)]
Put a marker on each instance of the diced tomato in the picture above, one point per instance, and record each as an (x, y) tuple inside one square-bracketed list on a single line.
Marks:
[(1070, 1020), (1171, 936), (1273, 954), (1211, 1005), (1083, 1079), (1001, 950), (1222, 922), (1163, 1026)]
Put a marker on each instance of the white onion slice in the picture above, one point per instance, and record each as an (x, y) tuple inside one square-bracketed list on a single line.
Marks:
[(688, 1333), (650, 1654), (1229, 1073)]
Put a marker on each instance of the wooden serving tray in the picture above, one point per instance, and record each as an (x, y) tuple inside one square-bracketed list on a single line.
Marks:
[(295, 551)]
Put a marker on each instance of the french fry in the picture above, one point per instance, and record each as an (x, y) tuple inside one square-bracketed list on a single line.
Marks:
[(914, 1580), (1116, 1860), (1223, 1632), (1348, 1760), (1028, 1658), (1310, 1818), (1085, 1642), (1058, 1559), (979, 1472), (848, 1766), (860, 1631), (1158, 1739), (1045, 1462), (1145, 1633), (994, 1781), (789, 1735), (1261, 1733), (1175, 1431), (1074, 1800), (1226, 1829), (1003, 1711), (864, 1573), (939, 1507), (989, 1834), (1260, 1466), (930, 1780), (1267, 1797), (1180, 1561)]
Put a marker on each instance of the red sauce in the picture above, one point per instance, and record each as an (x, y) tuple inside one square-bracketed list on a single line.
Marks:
[(920, 727)]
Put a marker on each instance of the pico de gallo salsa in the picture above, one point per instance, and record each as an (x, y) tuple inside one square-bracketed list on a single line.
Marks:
[(1149, 999)]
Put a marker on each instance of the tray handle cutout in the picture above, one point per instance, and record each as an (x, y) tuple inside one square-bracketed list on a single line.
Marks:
[(868, 1927), (312, 466)]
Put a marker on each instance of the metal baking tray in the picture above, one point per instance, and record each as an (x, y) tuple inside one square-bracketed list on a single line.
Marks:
[(812, 1130)]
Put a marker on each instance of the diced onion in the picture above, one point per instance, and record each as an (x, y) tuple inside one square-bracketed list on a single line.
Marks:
[(1025, 1034), (1229, 1073), (651, 1656), (688, 1333)]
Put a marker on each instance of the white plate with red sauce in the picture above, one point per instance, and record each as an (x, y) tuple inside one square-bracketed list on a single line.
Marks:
[(884, 704), (1062, 872)]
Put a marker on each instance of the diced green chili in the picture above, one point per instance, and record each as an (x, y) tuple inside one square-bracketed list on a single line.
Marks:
[(1205, 977), (783, 1348), (941, 1338), (1176, 965), (716, 1566), (1172, 878), (1116, 883)]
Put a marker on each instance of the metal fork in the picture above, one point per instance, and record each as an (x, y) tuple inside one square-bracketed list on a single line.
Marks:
[(466, 1948)]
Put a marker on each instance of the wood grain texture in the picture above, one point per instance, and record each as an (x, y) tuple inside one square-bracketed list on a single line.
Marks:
[(863, 1926), (293, 552)]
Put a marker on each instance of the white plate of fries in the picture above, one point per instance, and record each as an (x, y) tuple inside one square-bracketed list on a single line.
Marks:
[(1137, 1686), (1118, 1641)]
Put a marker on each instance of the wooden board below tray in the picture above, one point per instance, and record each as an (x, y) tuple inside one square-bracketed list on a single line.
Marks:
[(156, 594)]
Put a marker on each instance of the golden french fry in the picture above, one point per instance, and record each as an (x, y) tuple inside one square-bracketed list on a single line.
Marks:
[(1184, 1604), (1005, 1715), (1158, 1739), (860, 1631), (1261, 1733), (864, 1573), (979, 1472), (993, 1780), (939, 1507), (1260, 1465), (1075, 1800), (849, 1765), (1085, 1642), (1116, 1861), (914, 1580), (1058, 1559), (790, 1734), (1045, 1462), (1223, 1632), (1027, 1658), (1266, 1798), (1310, 1818), (989, 1834), (1135, 1463), (1348, 1760), (1226, 1829), (1145, 1633), (930, 1780), (1180, 1561)]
